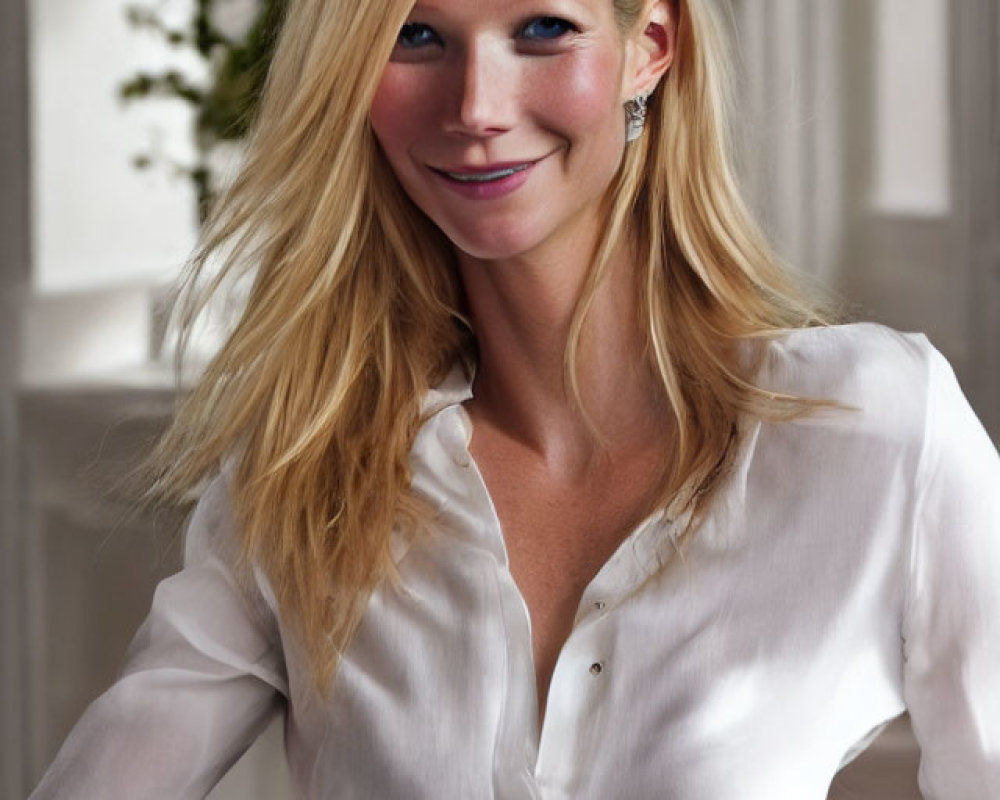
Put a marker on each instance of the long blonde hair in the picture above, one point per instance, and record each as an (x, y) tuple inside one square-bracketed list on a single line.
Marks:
[(355, 309)]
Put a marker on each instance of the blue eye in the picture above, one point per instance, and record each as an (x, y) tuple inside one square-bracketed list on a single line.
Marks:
[(416, 34), (547, 28)]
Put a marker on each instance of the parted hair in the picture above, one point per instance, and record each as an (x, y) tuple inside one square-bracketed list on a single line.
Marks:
[(355, 310)]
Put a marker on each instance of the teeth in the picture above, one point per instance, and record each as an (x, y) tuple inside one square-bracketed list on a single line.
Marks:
[(483, 177)]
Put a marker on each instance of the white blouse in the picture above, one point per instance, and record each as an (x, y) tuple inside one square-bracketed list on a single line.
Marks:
[(848, 570)]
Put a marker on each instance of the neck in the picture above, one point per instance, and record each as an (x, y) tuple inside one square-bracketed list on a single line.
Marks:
[(522, 312)]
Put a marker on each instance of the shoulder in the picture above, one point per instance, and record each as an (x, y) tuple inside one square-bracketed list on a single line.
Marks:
[(883, 394), (214, 549), (212, 529), (881, 378), (847, 362)]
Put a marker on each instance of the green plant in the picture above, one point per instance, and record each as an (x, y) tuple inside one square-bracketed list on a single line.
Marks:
[(225, 107)]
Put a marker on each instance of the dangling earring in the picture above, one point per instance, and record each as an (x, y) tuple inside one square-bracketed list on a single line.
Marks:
[(635, 117)]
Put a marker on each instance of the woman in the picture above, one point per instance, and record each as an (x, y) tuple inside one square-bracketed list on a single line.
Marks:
[(538, 478)]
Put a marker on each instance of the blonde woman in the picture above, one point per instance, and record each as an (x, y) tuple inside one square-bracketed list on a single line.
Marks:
[(532, 475)]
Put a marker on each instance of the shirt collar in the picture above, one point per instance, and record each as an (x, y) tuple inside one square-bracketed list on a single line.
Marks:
[(454, 390)]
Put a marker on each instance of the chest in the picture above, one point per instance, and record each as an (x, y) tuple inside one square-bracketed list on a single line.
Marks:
[(693, 680), (705, 677), (558, 534)]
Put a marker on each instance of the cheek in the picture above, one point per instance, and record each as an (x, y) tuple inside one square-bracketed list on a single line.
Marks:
[(396, 111), (385, 112), (585, 93)]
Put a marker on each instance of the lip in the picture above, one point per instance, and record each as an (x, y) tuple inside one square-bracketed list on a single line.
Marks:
[(486, 182)]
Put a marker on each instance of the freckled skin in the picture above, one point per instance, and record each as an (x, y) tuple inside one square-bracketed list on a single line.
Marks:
[(485, 96)]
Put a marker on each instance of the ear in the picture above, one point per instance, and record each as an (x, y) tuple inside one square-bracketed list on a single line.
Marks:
[(651, 47)]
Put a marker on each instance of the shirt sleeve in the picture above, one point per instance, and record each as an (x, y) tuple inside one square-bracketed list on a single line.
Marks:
[(203, 677), (952, 624)]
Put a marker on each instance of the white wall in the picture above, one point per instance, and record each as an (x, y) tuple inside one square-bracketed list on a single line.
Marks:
[(97, 221)]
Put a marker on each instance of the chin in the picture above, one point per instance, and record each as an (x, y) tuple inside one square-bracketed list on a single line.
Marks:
[(493, 244)]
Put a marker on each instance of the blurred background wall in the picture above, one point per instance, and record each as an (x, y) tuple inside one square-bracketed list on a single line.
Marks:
[(872, 150), (869, 136)]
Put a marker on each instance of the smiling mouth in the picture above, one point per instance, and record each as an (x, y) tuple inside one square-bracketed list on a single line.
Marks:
[(486, 177)]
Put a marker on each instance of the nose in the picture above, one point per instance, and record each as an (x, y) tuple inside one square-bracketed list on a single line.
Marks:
[(485, 96)]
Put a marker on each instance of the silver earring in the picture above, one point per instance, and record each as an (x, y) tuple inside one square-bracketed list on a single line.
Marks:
[(635, 117)]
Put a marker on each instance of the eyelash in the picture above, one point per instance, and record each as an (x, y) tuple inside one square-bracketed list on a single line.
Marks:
[(430, 37)]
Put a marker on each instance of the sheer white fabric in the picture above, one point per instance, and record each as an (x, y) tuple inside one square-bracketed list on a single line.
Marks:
[(849, 570)]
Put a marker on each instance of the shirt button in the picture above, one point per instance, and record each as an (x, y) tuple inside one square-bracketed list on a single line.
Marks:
[(596, 668), (599, 605)]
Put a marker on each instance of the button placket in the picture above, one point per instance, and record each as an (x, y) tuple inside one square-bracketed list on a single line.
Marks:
[(577, 702)]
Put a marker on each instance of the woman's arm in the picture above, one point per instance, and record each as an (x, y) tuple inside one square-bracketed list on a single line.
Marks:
[(203, 677), (952, 626)]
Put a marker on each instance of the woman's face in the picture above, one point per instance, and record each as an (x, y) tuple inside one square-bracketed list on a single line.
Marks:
[(503, 119)]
